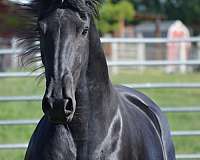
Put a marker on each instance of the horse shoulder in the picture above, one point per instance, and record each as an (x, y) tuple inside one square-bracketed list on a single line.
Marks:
[(154, 113)]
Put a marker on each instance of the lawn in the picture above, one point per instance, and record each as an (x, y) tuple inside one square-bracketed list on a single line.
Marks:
[(163, 97)]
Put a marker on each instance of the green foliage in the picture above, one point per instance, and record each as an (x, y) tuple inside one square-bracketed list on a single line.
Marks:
[(10, 22), (111, 14), (184, 10), (152, 6), (187, 11)]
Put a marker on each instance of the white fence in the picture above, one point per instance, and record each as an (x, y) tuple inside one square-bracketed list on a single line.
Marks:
[(115, 62)]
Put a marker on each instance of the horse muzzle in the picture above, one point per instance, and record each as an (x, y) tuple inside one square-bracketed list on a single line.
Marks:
[(59, 102), (58, 110)]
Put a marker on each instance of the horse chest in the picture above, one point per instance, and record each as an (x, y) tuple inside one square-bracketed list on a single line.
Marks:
[(110, 146)]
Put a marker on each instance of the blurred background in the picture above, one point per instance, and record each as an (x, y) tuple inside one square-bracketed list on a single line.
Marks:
[(151, 45)]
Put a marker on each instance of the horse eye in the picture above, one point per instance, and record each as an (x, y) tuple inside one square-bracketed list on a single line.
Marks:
[(83, 16), (88, 3), (85, 31)]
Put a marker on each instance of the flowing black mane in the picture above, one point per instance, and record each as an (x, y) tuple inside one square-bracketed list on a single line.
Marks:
[(38, 9), (41, 7)]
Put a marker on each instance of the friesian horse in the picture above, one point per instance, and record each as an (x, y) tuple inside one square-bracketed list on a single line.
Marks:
[(85, 116)]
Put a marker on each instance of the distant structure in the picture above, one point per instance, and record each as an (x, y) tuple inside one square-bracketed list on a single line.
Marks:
[(10, 19), (148, 28), (178, 51), (8, 24)]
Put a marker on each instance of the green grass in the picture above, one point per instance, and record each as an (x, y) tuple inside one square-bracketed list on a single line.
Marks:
[(163, 97)]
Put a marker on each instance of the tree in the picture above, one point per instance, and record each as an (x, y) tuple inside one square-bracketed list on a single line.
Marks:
[(112, 13), (187, 11), (9, 18), (184, 10), (152, 6)]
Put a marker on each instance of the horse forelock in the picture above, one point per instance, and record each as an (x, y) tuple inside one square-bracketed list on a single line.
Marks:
[(40, 7)]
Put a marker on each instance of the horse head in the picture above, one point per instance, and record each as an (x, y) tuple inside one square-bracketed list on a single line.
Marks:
[(64, 44)]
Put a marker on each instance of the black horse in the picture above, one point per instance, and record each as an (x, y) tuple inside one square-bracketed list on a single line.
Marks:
[(86, 117)]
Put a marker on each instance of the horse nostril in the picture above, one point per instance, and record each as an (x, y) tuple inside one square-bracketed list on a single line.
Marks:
[(68, 106)]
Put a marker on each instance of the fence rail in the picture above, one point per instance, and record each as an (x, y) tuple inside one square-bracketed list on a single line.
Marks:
[(19, 98), (18, 74), (18, 122), (11, 51), (180, 109), (13, 146), (35, 122), (188, 156), (16, 50), (151, 63), (136, 86), (24, 146), (140, 63), (148, 40), (164, 85), (164, 109)]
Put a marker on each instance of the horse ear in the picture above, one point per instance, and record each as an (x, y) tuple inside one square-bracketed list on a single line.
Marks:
[(39, 7)]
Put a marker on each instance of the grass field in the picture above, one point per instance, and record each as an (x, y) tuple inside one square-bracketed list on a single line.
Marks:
[(163, 97)]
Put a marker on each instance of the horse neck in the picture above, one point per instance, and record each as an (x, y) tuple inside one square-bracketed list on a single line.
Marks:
[(95, 94), (95, 100), (101, 92)]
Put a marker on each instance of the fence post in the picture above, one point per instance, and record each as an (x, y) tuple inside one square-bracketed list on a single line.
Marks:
[(198, 50), (141, 49), (14, 56), (114, 57), (183, 57)]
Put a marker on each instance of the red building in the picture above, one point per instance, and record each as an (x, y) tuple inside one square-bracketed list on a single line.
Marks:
[(9, 20), (3, 7)]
